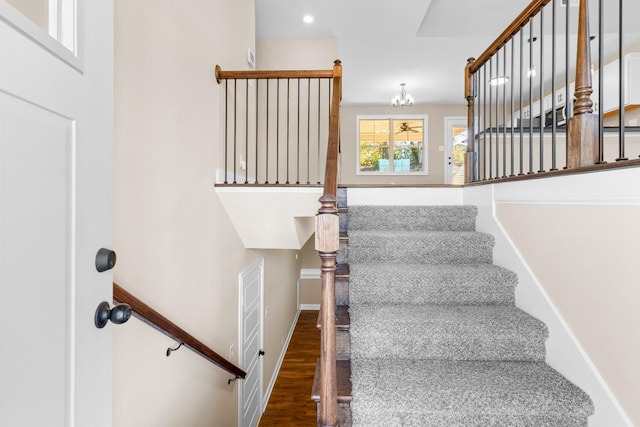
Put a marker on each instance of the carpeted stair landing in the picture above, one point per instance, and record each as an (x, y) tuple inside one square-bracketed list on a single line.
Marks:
[(436, 339)]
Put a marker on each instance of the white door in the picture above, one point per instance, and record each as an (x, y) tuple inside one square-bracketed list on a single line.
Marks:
[(455, 134), (55, 211), (250, 389)]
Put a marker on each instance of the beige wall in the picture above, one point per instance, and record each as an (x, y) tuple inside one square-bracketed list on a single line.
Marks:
[(36, 10), (177, 249), (304, 54), (310, 289), (348, 141), (585, 258)]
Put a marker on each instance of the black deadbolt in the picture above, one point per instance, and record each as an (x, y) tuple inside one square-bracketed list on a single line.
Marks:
[(118, 314), (105, 259)]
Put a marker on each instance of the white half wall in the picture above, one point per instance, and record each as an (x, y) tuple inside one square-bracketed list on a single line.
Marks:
[(404, 196), (572, 241)]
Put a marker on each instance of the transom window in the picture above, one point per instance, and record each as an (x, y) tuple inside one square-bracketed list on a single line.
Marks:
[(392, 145)]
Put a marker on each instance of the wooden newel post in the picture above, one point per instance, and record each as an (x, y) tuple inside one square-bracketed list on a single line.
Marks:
[(327, 245), (469, 94), (583, 126)]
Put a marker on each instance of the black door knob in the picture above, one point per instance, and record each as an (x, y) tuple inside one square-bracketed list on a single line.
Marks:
[(105, 259), (118, 314), (261, 353)]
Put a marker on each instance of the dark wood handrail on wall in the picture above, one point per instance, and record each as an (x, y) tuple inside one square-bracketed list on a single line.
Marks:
[(327, 245), (151, 317)]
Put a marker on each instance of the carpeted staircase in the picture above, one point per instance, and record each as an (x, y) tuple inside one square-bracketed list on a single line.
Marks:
[(435, 336)]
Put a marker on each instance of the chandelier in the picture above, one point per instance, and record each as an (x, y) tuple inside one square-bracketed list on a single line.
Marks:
[(402, 99)]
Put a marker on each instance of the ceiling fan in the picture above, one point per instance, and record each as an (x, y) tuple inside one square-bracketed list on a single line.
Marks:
[(404, 127)]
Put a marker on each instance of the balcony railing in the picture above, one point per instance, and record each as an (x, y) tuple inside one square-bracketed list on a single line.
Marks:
[(276, 125), (551, 94)]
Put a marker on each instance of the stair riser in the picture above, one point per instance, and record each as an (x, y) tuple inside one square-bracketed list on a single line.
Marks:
[(398, 346), (343, 253), (425, 218), (343, 345), (405, 250), (425, 294), (473, 420), (342, 292)]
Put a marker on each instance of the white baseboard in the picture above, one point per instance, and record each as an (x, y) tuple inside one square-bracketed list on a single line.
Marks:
[(276, 371), (309, 307)]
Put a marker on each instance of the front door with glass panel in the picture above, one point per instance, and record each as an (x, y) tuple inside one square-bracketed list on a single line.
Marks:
[(455, 149), (55, 211)]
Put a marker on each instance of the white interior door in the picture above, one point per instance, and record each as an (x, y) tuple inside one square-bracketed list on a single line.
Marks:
[(455, 134), (250, 389), (56, 131)]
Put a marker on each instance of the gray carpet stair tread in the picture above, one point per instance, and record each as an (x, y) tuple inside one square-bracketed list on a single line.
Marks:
[(459, 218), (431, 284), (445, 393), (459, 332), (431, 247)]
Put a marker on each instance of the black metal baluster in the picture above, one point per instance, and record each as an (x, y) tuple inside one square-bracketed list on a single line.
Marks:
[(513, 123), (541, 91), (288, 114), (497, 88), (497, 133), (266, 163), (554, 119), (298, 153), (567, 93), (621, 148), (484, 118), (257, 127), (601, 82), (278, 131), (474, 130), (521, 123), (235, 127), (531, 41), (308, 127), (490, 130), (504, 114), (226, 129), (318, 159), (246, 130)]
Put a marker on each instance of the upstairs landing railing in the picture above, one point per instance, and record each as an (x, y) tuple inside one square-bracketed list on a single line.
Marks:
[(538, 102), (276, 126)]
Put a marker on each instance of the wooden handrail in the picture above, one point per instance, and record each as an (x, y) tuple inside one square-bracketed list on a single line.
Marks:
[(331, 167), (327, 245), (530, 11), (273, 74), (151, 317)]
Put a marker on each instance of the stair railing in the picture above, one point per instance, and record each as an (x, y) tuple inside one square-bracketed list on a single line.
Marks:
[(327, 244), (157, 321), (275, 125), (525, 114)]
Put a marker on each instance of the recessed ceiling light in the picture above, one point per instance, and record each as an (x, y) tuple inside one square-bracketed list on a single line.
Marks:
[(499, 81), (308, 19)]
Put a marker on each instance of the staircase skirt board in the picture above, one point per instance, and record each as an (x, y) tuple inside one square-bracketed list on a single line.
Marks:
[(435, 336)]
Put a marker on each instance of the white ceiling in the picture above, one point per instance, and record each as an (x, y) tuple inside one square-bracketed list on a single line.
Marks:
[(424, 43)]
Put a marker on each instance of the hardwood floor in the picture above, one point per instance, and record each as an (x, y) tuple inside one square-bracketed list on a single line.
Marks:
[(290, 403)]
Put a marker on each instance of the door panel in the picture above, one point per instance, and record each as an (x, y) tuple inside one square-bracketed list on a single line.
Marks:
[(55, 213), (36, 153)]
